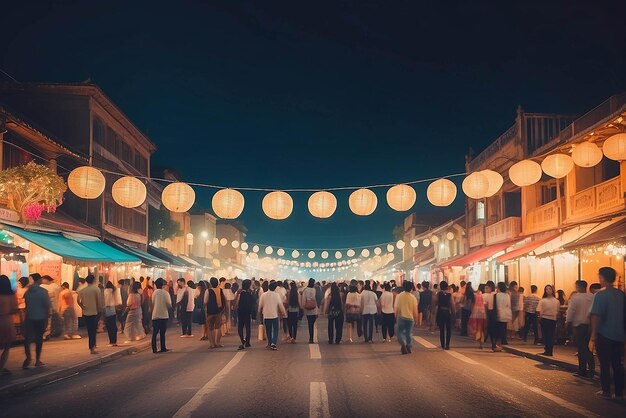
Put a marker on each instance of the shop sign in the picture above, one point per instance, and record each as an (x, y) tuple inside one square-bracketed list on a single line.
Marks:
[(51, 268), (9, 215)]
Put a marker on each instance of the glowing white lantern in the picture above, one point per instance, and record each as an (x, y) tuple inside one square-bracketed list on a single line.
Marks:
[(363, 202), (475, 186), (269, 250), (244, 246), (338, 255), (280, 252), (377, 251), (586, 154), (390, 247), (311, 254), (86, 182), (400, 244), (277, 205), (295, 254), (365, 252), (401, 197), (615, 147), (441, 192), (434, 239), (228, 203), (322, 204), (324, 255), (415, 243), (495, 181), (255, 249), (351, 253), (235, 244), (450, 236), (525, 173), (178, 197), (426, 242), (129, 192), (557, 165), (223, 242)]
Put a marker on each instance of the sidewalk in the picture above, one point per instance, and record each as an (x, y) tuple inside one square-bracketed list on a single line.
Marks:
[(62, 358), (564, 356)]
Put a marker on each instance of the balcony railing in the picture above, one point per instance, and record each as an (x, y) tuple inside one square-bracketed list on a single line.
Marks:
[(542, 218), (476, 236), (504, 230), (597, 200)]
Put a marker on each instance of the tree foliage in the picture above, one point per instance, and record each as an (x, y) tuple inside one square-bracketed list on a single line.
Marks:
[(161, 226)]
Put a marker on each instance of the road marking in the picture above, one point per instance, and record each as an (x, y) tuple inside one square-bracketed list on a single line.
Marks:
[(461, 357), (196, 401), (423, 342), (315, 332), (318, 406), (314, 351)]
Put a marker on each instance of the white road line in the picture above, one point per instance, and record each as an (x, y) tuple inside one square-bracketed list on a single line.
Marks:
[(318, 406), (423, 342), (461, 357), (315, 332), (196, 401), (314, 351)]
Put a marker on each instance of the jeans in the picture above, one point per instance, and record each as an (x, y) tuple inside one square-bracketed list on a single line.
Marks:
[(492, 327), (465, 314), (444, 321), (335, 328), (185, 322), (243, 321), (92, 327), (405, 331), (585, 357), (311, 320), (111, 324), (368, 327), (34, 329), (610, 356), (502, 332), (271, 330), (159, 326), (388, 320), (292, 324), (530, 321), (548, 328), (70, 322)]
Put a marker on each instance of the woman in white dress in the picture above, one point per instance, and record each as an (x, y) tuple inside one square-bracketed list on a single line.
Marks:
[(134, 329)]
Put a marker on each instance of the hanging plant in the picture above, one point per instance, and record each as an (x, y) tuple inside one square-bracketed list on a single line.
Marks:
[(31, 189)]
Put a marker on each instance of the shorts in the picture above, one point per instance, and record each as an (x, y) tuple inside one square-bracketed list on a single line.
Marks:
[(214, 321), (352, 317)]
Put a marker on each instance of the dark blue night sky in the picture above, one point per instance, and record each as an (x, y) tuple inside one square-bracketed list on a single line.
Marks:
[(288, 94)]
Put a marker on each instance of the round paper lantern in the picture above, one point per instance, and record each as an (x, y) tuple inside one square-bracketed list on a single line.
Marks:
[(277, 205), (338, 255), (390, 248), (450, 236), (495, 181), (324, 255), (365, 252), (401, 197), (363, 202), (228, 203), (400, 245), (244, 246), (178, 197), (280, 252), (295, 254), (525, 173), (86, 182), (255, 249), (311, 254), (557, 165), (415, 243), (377, 251), (351, 253), (441, 192), (475, 186), (586, 154), (322, 204), (235, 244), (615, 147), (223, 242), (269, 250), (434, 239), (129, 192), (426, 242)]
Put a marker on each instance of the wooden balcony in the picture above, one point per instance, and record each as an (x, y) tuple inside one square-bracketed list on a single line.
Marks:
[(503, 230), (476, 236), (597, 200), (542, 218)]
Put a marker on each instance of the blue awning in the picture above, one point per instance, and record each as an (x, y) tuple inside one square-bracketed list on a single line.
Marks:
[(171, 258), (146, 258)]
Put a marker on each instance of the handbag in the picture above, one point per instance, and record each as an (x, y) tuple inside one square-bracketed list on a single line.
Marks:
[(310, 304), (261, 332)]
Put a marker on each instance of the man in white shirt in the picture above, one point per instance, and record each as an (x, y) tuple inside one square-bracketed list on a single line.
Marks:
[(368, 311), (272, 307), (578, 316), (161, 305), (386, 308), (184, 299)]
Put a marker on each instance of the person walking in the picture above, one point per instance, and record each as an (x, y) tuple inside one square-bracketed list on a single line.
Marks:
[(385, 302), (492, 323), (445, 313), (353, 311), (577, 316), (8, 307), (466, 306), (198, 316), (405, 308), (123, 289), (184, 301), (334, 310), (161, 305), (244, 306), (36, 319), (293, 310), (530, 315), (548, 309), (112, 300), (607, 333), (90, 301), (478, 316), (368, 311), (504, 313), (424, 306), (309, 304), (272, 307), (67, 310), (214, 303), (133, 328)]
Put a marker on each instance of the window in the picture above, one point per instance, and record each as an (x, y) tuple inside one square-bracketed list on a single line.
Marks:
[(480, 211), (124, 218), (98, 132)]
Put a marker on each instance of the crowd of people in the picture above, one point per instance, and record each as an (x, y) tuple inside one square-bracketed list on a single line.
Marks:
[(491, 313)]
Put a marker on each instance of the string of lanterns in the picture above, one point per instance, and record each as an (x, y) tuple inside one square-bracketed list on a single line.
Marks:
[(89, 183)]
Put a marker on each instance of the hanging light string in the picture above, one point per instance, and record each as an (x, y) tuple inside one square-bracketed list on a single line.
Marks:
[(301, 249)]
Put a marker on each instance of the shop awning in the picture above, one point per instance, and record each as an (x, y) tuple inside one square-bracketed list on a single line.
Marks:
[(146, 258), (191, 261), (525, 249), (613, 232), (478, 255), (169, 257), (575, 234), (80, 250)]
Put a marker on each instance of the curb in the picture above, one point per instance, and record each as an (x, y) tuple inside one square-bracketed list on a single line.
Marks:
[(543, 359), (29, 383)]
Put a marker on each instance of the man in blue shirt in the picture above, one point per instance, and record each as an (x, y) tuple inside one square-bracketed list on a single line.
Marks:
[(607, 333), (36, 321)]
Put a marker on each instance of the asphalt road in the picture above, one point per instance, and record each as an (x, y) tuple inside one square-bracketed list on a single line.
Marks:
[(321, 380)]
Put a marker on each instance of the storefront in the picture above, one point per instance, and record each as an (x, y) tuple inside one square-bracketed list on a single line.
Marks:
[(151, 266)]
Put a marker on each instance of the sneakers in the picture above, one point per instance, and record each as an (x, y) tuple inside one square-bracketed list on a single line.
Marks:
[(403, 349), (603, 395), (76, 337), (273, 347), (67, 337), (241, 347)]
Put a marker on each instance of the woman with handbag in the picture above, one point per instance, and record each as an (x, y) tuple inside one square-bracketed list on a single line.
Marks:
[(112, 300), (309, 303), (334, 310), (353, 311)]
